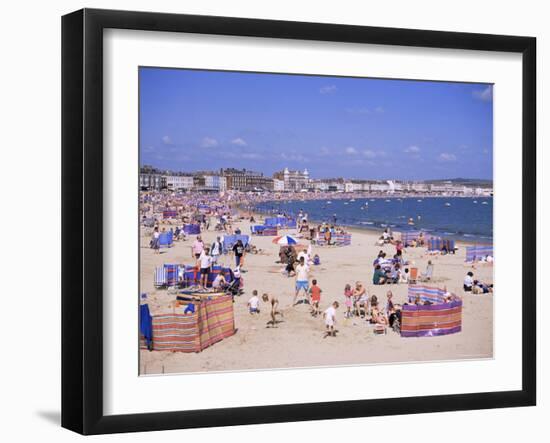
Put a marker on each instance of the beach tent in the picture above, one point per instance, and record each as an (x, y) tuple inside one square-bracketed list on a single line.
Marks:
[(408, 236), (438, 318), (209, 321), (479, 252), (426, 293), (166, 239), (336, 240), (282, 222), (263, 230), (192, 229), (191, 275), (170, 275), (439, 244)]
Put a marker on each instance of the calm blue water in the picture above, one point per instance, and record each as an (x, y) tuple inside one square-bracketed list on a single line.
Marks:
[(463, 219)]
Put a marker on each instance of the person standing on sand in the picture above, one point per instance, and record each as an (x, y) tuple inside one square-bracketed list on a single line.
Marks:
[(204, 262), (330, 319), (238, 250), (216, 250), (155, 240), (302, 280), (197, 248)]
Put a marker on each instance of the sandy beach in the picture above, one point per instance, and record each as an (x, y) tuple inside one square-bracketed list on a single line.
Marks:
[(298, 341)]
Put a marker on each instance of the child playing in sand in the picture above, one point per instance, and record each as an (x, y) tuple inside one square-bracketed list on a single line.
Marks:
[(348, 294), (254, 303), (315, 294), (274, 302), (330, 319)]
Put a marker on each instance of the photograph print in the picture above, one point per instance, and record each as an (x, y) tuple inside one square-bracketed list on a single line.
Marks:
[(303, 221)]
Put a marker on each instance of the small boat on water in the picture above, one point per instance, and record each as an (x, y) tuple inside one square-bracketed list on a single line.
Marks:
[(329, 202), (352, 200), (475, 201), (447, 204), (346, 203), (484, 203), (387, 201), (419, 201)]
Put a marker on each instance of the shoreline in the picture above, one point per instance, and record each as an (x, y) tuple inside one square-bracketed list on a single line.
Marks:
[(460, 239)]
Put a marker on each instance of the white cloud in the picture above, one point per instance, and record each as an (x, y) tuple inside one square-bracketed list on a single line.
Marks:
[(379, 110), (294, 157), (324, 151), (239, 142), (329, 89), (251, 156), (350, 150), (412, 150), (167, 140), (369, 153), (209, 142), (485, 95), (446, 157)]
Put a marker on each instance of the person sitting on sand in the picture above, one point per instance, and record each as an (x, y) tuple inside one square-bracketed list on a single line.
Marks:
[(395, 274), (404, 277), (377, 316), (315, 294), (379, 276), (219, 282), (254, 303), (302, 279), (481, 288), (468, 281), (274, 302), (330, 319), (389, 302)]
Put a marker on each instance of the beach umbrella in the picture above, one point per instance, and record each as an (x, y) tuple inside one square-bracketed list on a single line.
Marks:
[(284, 240)]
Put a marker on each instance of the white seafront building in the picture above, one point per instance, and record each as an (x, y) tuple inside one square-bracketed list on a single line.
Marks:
[(179, 182)]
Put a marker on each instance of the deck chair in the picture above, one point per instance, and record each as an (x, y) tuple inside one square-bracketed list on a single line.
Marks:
[(414, 275)]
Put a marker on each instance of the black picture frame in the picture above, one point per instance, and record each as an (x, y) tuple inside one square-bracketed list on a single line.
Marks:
[(82, 218)]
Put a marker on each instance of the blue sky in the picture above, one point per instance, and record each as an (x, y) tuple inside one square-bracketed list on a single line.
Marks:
[(333, 126)]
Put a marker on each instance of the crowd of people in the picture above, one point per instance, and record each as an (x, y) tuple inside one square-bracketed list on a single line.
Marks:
[(359, 304)]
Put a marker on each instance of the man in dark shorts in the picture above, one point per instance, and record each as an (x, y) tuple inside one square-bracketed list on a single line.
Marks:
[(238, 250), (205, 262)]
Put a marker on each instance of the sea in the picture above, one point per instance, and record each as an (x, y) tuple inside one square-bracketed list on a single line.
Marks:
[(461, 218)]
